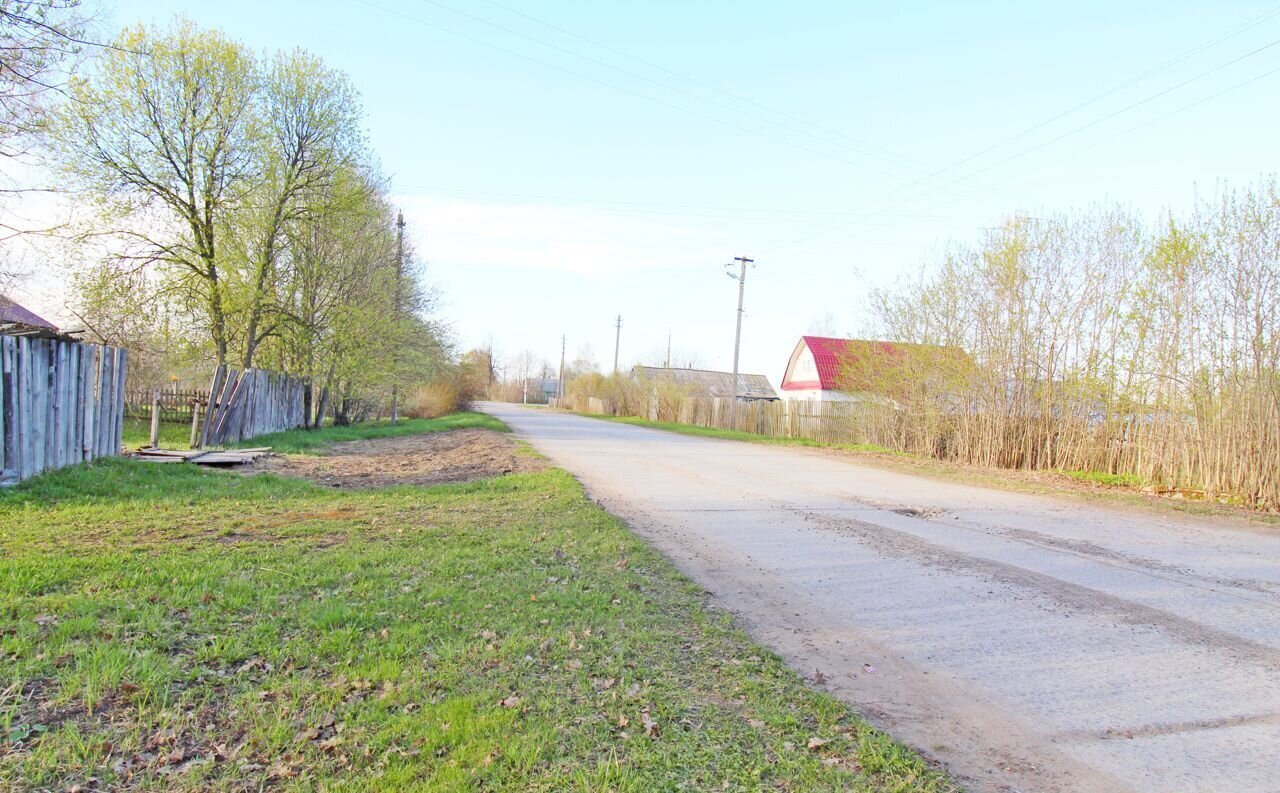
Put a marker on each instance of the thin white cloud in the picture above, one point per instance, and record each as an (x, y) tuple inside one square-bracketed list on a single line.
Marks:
[(572, 239)]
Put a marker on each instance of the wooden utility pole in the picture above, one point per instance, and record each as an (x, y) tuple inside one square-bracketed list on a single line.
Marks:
[(617, 343), (741, 278), (560, 382), (395, 371)]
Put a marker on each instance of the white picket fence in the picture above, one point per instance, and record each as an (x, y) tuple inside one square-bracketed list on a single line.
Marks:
[(61, 403)]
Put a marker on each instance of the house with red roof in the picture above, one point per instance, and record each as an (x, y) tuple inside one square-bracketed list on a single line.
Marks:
[(842, 370)]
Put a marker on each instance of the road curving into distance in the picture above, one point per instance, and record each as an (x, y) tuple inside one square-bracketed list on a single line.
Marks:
[(1028, 643)]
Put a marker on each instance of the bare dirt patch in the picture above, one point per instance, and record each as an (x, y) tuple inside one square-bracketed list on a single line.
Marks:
[(429, 459)]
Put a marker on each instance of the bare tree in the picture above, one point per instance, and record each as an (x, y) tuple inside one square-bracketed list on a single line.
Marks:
[(40, 40), (167, 138)]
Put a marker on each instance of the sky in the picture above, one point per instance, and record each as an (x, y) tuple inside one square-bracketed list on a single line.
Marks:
[(563, 163)]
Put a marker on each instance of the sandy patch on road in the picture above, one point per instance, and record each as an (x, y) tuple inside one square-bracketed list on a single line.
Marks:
[(428, 459)]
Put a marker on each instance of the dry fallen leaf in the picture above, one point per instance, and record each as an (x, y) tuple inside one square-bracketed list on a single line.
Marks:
[(651, 727), (510, 702), (623, 720), (817, 743), (282, 769)]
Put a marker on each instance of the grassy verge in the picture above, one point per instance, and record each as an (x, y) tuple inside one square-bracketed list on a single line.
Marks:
[(750, 437), (1105, 479), (1109, 489), (137, 432), (305, 441), (174, 628)]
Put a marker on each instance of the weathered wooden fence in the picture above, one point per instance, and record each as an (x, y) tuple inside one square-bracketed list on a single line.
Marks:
[(61, 403), (245, 404), (175, 406), (853, 422)]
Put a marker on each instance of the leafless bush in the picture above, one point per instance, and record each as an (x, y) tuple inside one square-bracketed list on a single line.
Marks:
[(1099, 344)]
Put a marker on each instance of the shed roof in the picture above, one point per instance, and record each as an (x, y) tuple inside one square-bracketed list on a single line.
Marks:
[(710, 383), (12, 312)]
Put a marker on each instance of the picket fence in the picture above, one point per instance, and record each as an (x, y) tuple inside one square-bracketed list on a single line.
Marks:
[(851, 422), (176, 406), (61, 403), (252, 402)]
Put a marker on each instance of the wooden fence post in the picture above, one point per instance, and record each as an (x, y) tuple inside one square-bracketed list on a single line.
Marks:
[(195, 424), (155, 421)]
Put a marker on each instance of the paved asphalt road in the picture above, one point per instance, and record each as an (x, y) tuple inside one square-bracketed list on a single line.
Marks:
[(1028, 643)]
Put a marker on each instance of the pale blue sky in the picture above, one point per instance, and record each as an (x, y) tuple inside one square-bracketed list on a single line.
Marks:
[(549, 193)]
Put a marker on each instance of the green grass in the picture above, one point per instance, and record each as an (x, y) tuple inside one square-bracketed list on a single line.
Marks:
[(1101, 478), (751, 437), (137, 432), (307, 441), (165, 627)]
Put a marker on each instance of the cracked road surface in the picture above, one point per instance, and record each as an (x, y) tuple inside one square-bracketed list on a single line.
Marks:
[(1028, 643)]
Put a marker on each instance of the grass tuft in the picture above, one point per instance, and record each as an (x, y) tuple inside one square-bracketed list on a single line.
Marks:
[(1102, 478)]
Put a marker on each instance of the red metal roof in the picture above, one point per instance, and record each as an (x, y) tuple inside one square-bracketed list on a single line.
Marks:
[(12, 312), (834, 356)]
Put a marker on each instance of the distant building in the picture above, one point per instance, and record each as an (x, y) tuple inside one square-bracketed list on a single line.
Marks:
[(18, 319), (841, 370), (707, 383)]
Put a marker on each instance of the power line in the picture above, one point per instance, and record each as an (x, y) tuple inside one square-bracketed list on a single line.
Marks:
[(1120, 87), (661, 84), (1104, 141), (1125, 109), (893, 156), (616, 87), (1120, 134), (591, 200), (1020, 154)]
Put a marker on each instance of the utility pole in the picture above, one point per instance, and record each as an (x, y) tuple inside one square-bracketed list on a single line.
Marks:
[(668, 349), (741, 278), (395, 358), (560, 382), (617, 343)]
